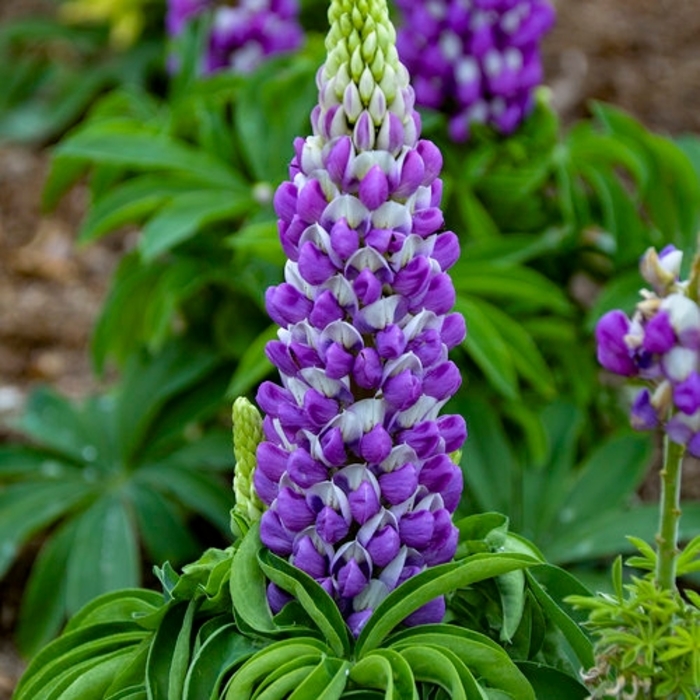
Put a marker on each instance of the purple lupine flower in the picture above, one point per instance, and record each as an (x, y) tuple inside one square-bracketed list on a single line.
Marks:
[(660, 344), (478, 60), (243, 35), (365, 497)]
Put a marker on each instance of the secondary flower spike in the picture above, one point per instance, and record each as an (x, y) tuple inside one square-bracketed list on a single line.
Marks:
[(660, 345), (355, 464), (243, 35), (478, 60)]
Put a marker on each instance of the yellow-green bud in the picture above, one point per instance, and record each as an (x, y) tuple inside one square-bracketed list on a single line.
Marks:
[(247, 435)]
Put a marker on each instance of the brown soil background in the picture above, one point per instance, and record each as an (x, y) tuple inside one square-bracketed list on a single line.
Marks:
[(642, 55)]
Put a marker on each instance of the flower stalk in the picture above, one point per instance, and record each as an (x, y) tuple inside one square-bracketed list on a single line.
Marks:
[(669, 516)]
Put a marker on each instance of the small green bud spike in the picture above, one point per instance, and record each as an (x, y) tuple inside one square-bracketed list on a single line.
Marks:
[(456, 457), (363, 39), (247, 435)]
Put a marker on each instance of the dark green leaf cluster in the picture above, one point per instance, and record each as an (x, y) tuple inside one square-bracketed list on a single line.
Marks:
[(51, 73), (213, 635), (647, 638), (101, 482)]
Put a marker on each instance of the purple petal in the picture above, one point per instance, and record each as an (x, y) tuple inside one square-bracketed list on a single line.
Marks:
[(286, 305), (277, 598), (304, 470), (424, 438), (375, 445), (311, 202), (338, 159), (441, 294), (344, 240), (273, 534), (265, 487), (374, 188), (350, 580), (658, 334), (417, 528), (363, 503), (443, 381), (414, 277), (326, 309), (436, 473), (446, 250), (412, 175), (402, 390), (384, 546), (319, 408), (390, 342), (356, 621), (285, 201), (398, 485), (453, 429), (315, 266), (643, 415), (271, 460), (333, 447), (293, 512), (367, 371), (331, 526), (454, 330), (427, 347), (432, 160), (308, 559), (444, 543), (427, 221), (686, 394), (367, 287)]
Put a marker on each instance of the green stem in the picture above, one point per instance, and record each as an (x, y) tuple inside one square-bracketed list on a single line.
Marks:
[(669, 515)]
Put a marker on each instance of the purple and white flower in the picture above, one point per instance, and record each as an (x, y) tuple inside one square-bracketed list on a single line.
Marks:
[(241, 35), (479, 60), (355, 464), (659, 345)]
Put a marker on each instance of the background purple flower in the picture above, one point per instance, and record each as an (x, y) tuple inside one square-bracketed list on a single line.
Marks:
[(477, 60), (241, 35)]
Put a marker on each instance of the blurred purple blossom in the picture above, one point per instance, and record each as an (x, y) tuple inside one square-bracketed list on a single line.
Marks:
[(241, 36), (478, 60)]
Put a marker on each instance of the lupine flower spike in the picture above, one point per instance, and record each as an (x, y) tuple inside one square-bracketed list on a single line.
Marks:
[(243, 35), (477, 60), (660, 345), (355, 464)]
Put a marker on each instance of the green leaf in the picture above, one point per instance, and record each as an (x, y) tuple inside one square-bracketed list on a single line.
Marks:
[(136, 146), (551, 586), (124, 605), (224, 649), (487, 347), (130, 203), (548, 682), (482, 656), (149, 382), (105, 553), (435, 666), (189, 212), (265, 662), (253, 366), (429, 584), (326, 682), (169, 653), (385, 669), (316, 602), (248, 585), (28, 508), (608, 479), (42, 611)]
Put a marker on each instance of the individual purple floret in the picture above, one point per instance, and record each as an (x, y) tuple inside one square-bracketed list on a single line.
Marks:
[(478, 60), (241, 36), (355, 466), (660, 345)]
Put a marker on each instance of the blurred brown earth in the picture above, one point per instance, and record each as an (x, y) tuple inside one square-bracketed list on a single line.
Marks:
[(642, 55)]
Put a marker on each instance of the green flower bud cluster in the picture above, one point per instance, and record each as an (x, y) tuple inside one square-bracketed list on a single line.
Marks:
[(247, 435)]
